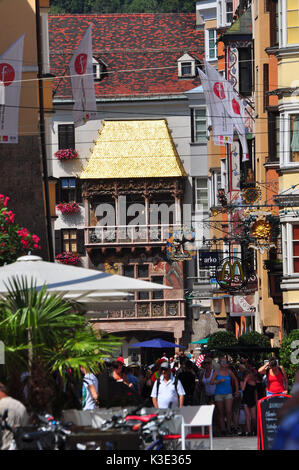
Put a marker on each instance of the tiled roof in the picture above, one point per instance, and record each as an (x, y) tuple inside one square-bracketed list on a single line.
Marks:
[(140, 51), (134, 149)]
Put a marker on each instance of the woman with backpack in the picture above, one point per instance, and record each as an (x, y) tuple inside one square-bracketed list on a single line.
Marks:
[(277, 381)]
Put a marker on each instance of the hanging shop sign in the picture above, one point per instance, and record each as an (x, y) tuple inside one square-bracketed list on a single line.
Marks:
[(180, 245), (209, 259), (230, 274), (242, 306)]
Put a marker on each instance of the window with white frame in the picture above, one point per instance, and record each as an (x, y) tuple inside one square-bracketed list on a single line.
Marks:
[(225, 12), (199, 124), (211, 44), (295, 248), (96, 69), (288, 23), (294, 138), (186, 66), (215, 185), (224, 184), (229, 11), (201, 194), (290, 248), (289, 139)]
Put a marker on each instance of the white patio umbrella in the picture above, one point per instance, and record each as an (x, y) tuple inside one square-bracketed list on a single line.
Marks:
[(73, 282)]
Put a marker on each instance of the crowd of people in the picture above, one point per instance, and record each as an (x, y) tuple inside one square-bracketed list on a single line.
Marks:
[(234, 387)]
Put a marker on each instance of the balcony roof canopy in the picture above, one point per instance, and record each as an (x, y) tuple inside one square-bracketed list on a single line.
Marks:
[(134, 149)]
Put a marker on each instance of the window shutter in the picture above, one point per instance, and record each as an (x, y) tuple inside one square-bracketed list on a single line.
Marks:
[(266, 85), (58, 191), (192, 124), (271, 136), (58, 242), (193, 193), (80, 242), (78, 190)]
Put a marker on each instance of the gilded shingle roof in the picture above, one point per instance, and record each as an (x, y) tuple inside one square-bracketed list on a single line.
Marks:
[(134, 149)]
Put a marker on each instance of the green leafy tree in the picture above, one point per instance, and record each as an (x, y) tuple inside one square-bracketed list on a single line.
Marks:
[(119, 6), (253, 338), (15, 241), (221, 339), (289, 354), (38, 326), (142, 6)]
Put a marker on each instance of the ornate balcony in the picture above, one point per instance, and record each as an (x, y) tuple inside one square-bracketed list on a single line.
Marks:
[(129, 234), (153, 309)]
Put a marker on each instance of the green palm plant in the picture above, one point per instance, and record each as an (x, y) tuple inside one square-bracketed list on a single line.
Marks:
[(36, 324)]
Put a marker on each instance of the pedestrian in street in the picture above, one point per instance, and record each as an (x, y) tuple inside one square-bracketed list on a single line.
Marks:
[(17, 416), (276, 378), (223, 379), (131, 378), (249, 400), (167, 389), (90, 388), (187, 378), (205, 381)]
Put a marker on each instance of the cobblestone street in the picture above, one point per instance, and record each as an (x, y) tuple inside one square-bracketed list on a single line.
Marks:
[(235, 443)]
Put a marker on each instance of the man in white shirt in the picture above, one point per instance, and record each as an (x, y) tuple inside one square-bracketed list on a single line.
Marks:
[(89, 391), (17, 416), (167, 390)]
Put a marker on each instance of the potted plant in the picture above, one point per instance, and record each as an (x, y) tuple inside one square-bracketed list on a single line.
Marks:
[(66, 154), (67, 208), (67, 257)]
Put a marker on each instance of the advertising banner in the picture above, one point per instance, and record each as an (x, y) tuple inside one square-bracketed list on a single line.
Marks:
[(81, 71), (10, 78)]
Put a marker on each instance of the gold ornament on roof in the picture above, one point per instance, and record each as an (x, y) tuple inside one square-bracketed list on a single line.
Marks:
[(261, 229)]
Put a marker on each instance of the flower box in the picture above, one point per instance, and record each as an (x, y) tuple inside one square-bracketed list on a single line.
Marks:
[(67, 208), (66, 154), (69, 258)]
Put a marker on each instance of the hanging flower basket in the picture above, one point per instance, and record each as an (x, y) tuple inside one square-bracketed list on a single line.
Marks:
[(69, 258), (67, 208), (66, 154)]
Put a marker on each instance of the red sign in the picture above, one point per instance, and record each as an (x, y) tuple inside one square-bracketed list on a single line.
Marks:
[(219, 90), (236, 106), (7, 74), (81, 63)]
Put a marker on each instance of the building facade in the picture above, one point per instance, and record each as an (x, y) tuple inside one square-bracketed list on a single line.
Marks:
[(288, 109), (21, 163), (143, 75)]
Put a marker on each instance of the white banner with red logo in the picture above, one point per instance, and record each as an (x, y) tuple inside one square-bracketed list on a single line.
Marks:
[(11, 63), (223, 95), (222, 125), (81, 70), (242, 305)]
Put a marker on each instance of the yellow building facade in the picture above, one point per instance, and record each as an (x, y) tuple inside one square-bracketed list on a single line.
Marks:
[(288, 105), (21, 163)]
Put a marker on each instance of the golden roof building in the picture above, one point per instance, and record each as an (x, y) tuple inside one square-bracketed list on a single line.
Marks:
[(134, 149)]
